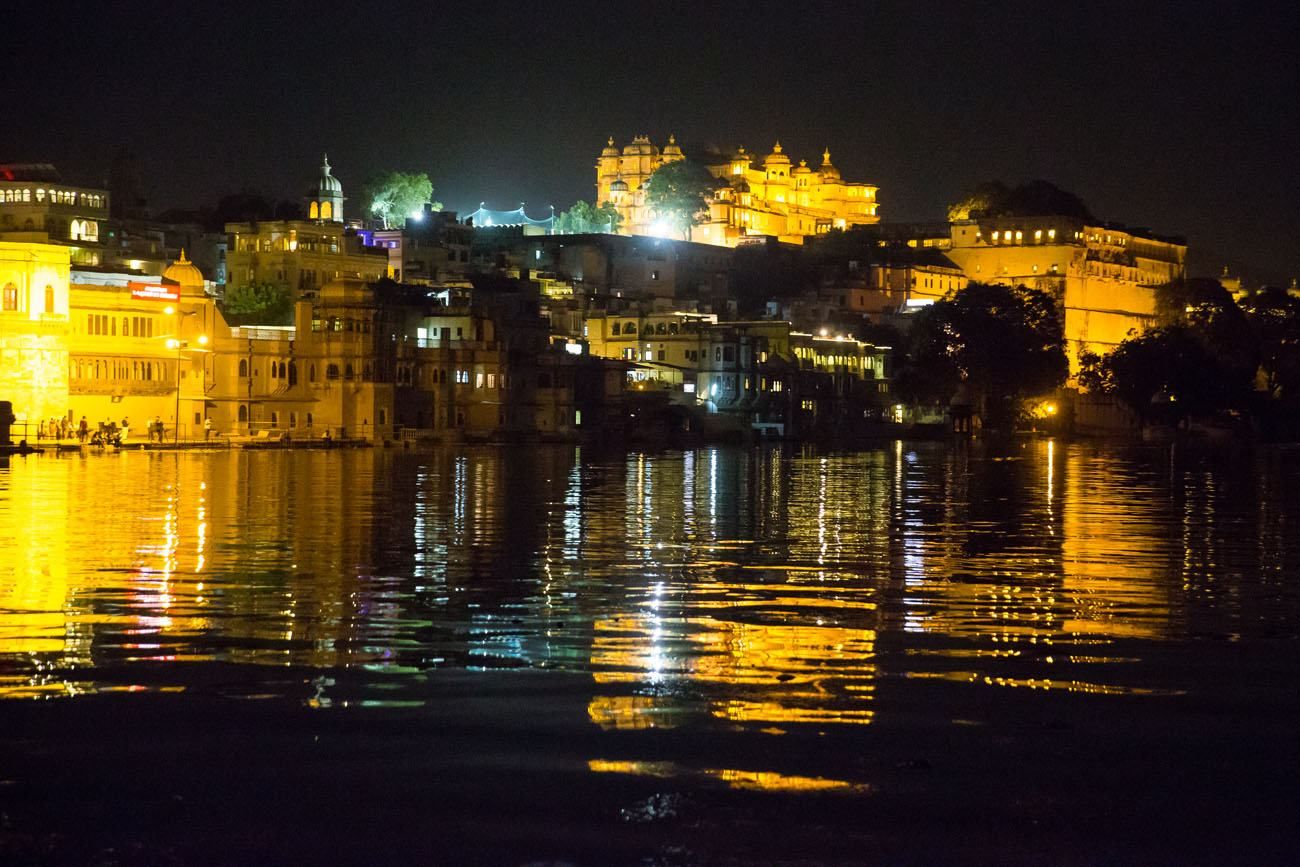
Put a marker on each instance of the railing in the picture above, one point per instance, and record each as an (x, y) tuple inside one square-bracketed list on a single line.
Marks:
[(253, 332)]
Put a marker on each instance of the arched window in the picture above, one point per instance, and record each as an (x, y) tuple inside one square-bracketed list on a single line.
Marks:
[(313, 212), (662, 328), (243, 413), (326, 210), (243, 368), (332, 371), (282, 370), (9, 301), (308, 419), (311, 373), (49, 299), (293, 374), (347, 371)]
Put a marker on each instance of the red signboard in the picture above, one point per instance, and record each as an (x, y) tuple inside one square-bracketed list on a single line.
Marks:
[(155, 292)]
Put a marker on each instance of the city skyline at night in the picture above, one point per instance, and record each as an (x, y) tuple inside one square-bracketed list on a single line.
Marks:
[(1148, 114)]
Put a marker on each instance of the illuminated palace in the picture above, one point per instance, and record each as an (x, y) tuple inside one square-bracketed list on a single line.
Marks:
[(777, 198), (1104, 275)]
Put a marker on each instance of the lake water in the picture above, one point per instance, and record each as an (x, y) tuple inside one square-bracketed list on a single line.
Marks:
[(925, 653)]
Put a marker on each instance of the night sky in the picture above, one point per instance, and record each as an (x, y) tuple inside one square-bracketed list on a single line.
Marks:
[(1182, 117)]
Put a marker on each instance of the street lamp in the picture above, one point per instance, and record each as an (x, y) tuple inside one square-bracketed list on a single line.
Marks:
[(178, 344)]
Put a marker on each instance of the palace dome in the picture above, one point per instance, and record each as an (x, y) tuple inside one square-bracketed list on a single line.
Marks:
[(184, 272), (640, 146), (672, 149), (328, 183), (802, 168), (776, 157), (610, 150), (619, 185), (828, 171)]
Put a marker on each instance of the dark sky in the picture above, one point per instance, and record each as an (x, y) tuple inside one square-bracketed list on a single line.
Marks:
[(1180, 116)]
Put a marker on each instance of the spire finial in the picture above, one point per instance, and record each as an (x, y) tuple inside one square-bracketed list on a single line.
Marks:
[(776, 149), (826, 157), (182, 260), (672, 139), (326, 163)]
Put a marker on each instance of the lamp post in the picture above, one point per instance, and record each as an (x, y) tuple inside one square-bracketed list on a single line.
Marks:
[(178, 344)]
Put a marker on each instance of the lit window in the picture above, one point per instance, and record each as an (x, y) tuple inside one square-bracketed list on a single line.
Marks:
[(1051, 234)]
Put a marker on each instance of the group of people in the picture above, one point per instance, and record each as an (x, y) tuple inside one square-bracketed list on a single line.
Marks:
[(106, 432), (64, 429)]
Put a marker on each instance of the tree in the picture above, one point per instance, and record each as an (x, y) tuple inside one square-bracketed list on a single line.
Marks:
[(1031, 199), (1274, 316), (1002, 343), (258, 304), (678, 193), (393, 196), (1169, 374), (1209, 312), (584, 218)]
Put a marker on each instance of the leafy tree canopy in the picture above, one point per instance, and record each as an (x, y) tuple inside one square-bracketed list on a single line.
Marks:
[(1002, 343), (1209, 312), (258, 304), (1274, 317), (391, 197), (1167, 374), (678, 193), (585, 217), (1031, 199)]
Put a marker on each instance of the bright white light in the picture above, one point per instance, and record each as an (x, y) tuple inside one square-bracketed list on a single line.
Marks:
[(203, 340), (173, 343), (573, 348), (169, 310), (688, 387), (417, 216), (661, 229), (823, 332)]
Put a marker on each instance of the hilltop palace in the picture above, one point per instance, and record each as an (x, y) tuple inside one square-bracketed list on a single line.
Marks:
[(789, 202)]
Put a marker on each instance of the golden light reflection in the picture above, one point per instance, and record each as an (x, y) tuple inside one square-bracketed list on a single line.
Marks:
[(736, 778), (778, 672)]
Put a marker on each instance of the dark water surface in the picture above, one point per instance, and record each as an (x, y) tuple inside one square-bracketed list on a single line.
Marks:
[(1044, 653)]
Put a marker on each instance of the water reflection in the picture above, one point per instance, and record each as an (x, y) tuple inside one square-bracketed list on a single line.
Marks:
[(760, 588)]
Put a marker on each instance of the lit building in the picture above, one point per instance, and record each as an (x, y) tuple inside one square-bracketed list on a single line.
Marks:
[(323, 374), (34, 199), (140, 348), (777, 198), (34, 329), (665, 347), (300, 256), (1105, 277)]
